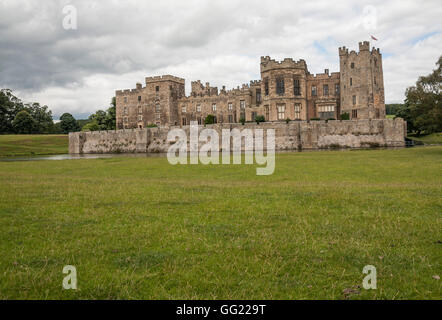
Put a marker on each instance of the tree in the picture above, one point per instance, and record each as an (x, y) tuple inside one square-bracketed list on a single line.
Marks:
[(91, 126), (68, 123), (10, 106), (423, 103), (42, 117), (24, 123), (99, 118)]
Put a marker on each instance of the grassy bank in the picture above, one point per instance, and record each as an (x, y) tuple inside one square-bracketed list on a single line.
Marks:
[(29, 145), (434, 138), (141, 228)]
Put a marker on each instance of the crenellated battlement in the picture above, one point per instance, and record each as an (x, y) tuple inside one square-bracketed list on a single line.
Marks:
[(323, 76), (288, 63), (163, 78)]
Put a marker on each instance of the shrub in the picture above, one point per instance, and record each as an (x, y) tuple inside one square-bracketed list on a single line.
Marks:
[(242, 120), (287, 120), (315, 119), (345, 116), (152, 126), (210, 119), (259, 119)]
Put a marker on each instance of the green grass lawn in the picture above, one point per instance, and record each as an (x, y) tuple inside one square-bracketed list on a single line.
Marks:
[(29, 145), (434, 138), (140, 228)]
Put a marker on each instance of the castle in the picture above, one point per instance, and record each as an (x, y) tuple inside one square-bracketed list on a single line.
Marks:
[(286, 90)]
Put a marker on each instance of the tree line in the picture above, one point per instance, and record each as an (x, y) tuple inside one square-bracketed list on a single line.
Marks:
[(17, 117), (422, 108)]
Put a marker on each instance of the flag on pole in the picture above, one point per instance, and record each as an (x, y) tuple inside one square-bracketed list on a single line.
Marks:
[(374, 38)]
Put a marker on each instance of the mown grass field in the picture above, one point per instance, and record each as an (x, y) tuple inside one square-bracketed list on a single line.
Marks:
[(434, 138), (140, 228), (30, 145)]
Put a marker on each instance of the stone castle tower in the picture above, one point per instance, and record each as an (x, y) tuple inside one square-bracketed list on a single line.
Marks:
[(362, 82)]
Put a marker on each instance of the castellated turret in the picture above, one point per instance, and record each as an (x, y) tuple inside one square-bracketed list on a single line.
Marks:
[(362, 83)]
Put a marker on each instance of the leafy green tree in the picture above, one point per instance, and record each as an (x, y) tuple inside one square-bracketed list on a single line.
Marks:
[(111, 117), (24, 123), (68, 123), (99, 118), (91, 126), (423, 103), (42, 116), (10, 106)]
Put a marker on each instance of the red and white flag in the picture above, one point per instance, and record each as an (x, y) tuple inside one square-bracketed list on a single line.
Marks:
[(374, 38)]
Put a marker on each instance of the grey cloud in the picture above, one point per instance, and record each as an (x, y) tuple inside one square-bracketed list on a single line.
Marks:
[(119, 42)]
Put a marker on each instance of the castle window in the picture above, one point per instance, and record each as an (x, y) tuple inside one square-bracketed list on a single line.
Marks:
[(140, 118), (374, 80), (253, 116), (125, 110), (325, 89), (214, 107), (230, 106), (297, 87), (199, 121), (352, 65), (354, 100), (280, 89), (267, 110), (298, 111), (140, 110), (139, 98), (354, 114), (351, 81), (378, 113), (158, 116), (266, 87), (326, 112), (230, 118), (125, 99), (314, 91), (157, 107), (337, 89), (157, 88), (258, 96), (198, 108), (125, 120), (281, 111), (184, 121), (183, 109), (242, 104)]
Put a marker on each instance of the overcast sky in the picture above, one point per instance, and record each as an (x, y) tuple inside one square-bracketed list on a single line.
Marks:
[(118, 43)]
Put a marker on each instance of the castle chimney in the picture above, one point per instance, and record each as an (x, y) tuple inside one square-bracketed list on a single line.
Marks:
[(139, 86)]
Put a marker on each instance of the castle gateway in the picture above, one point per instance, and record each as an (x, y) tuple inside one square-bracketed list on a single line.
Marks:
[(286, 90)]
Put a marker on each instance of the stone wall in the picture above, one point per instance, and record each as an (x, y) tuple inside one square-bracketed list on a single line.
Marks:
[(292, 136)]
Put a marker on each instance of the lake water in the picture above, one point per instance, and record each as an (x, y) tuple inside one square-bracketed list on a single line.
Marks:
[(143, 155)]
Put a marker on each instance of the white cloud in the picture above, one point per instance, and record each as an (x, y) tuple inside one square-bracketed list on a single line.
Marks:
[(119, 42)]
